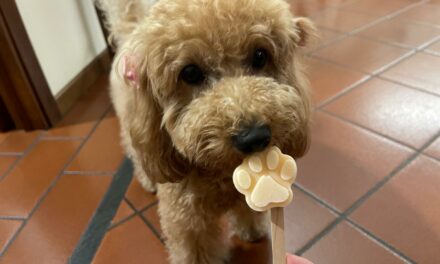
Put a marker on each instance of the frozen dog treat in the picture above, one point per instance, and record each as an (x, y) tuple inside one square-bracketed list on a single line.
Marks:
[(265, 179)]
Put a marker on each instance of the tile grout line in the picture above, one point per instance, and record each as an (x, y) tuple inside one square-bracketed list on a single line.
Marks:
[(319, 236), (407, 86), (366, 26), (399, 168), (429, 155), (345, 215), (61, 138), (396, 44), (391, 249), (121, 222), (125, 219), (11, 154), (369, 77), (90, 173), (53, 183), (315, 198), (381, 19), (149, 206), (92, 237), (415, 2), (21, 157), (340, 219), (367, 129), (365, 232), (155, 232), (15, 218), (357, 226), (376, 74), (149, 225), (431, 52), (344, 91), (389, 16)]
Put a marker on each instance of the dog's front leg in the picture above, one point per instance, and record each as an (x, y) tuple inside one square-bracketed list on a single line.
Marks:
[(192, 235), (247, 224)]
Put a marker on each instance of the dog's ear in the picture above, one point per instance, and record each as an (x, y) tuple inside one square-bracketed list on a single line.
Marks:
[(301, 142), (304, 31), (152, 143), (121, 18)]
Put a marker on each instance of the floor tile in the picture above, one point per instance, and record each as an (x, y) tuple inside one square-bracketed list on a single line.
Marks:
[(304, 219), (323, 79), (6, 163), (344, 161), (420, 71), (407, 115), (434, 149), (306, 8), (324, 37), (401, 32), (32, 176), (86, 113), (378, 7), (123, 212), (435, 47), (346, 245), (335, 3), (56, 227), (152, 217), (405, 212), (103, 151), (132, 242), (342, 21), (312, 7), (426, 14), (7, 231), (360, 54), (18, 141), (138, 196), (327, 35)]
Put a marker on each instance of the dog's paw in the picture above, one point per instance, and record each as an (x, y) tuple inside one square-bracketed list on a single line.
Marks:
[(266, 178), (252, 233)]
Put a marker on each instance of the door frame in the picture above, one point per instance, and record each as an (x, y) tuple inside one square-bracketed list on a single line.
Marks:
[(24, 89)]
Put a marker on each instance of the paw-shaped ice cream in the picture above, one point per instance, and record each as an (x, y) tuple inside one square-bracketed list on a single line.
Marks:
[(265, 179)]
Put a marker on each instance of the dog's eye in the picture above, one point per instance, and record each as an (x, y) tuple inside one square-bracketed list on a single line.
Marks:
[(192, 74), (259, 60)]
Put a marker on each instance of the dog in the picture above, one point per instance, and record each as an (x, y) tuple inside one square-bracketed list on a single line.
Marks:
[(197, 86)]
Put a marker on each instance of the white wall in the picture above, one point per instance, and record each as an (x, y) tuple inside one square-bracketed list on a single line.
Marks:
[(65, 34)]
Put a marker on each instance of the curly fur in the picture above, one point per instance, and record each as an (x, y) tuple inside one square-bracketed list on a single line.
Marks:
[(179, 136), (123, 16)]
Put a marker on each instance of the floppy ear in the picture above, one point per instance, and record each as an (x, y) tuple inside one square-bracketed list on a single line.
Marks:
[(305, 31), (301, 142), (160, 160), (301, 32)]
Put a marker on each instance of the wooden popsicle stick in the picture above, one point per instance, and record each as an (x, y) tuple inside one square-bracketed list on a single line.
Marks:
[(277, 230)]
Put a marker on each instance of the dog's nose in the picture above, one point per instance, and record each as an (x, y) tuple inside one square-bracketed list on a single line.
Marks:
[(252, 139)]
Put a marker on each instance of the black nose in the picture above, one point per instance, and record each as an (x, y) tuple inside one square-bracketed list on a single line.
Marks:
[(252, 139)]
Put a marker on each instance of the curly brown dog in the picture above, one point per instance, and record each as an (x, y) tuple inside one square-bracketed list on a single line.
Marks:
[(198, 85)]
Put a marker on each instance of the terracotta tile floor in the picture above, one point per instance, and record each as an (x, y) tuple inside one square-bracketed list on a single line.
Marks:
[(368, 190)]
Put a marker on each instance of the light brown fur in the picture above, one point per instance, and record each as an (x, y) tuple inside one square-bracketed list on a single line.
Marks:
[(179, 136)]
